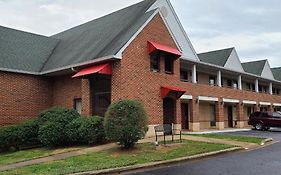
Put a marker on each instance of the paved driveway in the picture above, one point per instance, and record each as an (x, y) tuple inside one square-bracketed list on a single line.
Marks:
[(262, 161)]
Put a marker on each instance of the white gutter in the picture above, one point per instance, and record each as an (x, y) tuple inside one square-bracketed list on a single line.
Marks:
[(186, 97), (205, 98), (277, 104), (265, 103), (248, 102), (228, 100)]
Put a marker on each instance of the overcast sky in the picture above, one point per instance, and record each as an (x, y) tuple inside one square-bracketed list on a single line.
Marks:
[(252, 26)]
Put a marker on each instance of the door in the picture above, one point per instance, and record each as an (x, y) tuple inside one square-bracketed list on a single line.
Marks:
[(169, 110), (185, 114), (213, 115), (230, 116)]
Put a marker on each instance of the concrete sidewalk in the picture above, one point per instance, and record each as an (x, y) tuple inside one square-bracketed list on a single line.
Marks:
[(113, 145)]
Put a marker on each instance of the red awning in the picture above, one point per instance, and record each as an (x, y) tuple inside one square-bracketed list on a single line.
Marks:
[(100, 69), (165, 91), (152, 46)]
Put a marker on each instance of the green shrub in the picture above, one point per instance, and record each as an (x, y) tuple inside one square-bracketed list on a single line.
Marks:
[(72, 130), (57, 114), (51, 134), (126, 122), (92, 130), (19, 136), (86, 130), (29, 133), (53, 123)]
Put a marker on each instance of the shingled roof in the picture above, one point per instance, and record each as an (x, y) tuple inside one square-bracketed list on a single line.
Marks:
[(24, 51), (217, 57), (254, 67), (276, 73), (102, 37), (98, 38)]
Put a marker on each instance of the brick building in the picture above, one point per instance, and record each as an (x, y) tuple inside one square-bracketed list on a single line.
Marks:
[(141, 52)]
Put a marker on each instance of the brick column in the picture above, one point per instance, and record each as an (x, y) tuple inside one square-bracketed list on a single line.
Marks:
[(194, 115), (270, 108), (257, 108), (219, 115), (240, 116), (86, 97)]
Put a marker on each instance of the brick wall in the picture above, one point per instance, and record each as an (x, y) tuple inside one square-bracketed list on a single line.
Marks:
[(133, 79), (65, 90), (22, 97)]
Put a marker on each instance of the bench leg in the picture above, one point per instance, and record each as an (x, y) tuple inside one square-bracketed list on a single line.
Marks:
[(164, 139)]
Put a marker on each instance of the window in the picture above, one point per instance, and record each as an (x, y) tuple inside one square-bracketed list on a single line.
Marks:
[(235, 85), (250, 86), (169, 64), (276, 114), (212, 80), (184, 75), (78, 105), (250, 110), (229, 83), (155, 62)]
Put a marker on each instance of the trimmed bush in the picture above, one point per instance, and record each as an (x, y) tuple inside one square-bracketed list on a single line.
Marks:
[(126, 122), (53, 123), (72, 130), (60, 115), (92, 130), (51, 134), (19, 136), (86, 130)]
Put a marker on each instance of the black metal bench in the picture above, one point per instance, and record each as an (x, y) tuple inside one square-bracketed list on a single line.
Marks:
[(165, 130)]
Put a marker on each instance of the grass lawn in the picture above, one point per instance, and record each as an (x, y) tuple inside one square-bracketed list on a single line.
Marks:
[(19, 156), (112, 158), (256, 140)]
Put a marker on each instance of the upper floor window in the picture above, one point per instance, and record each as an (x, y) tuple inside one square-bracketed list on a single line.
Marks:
[(169, 64), (184, 75), (212, 80), (155, 62)]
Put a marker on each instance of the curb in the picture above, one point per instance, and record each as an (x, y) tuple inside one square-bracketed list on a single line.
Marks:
[(266, 141), (153, 164)]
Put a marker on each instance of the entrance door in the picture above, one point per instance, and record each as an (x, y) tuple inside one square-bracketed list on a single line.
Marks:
[(185, 114), (230, 116), (169, 110)]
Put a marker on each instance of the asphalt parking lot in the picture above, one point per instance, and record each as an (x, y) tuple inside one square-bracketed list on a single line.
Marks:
[(266, 160)]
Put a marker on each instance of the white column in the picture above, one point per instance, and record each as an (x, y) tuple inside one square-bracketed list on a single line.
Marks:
[(270, 88), (194, 74), (240, 82), (219, 78), (257, 85)]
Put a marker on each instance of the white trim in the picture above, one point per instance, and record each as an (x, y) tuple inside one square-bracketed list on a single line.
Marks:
[(248, 102), (277, 104), (183, 30), (228, 100), (120, 52), (228, 69), (81, 64), (205, 98), (186, 97), (19, 71), (265, 103)]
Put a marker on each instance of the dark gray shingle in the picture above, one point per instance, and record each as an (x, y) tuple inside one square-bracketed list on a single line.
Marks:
[(217, 57), (276, 73), (24, 51), (254, 67), (98, 38)]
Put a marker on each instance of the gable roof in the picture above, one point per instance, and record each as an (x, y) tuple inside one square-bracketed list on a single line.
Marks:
[(102, 37), (276, 73), (24, 51), (254, 67), (217, 57)]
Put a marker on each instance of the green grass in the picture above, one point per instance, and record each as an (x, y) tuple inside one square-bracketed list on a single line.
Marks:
[(112, 158), (19, 156), (247, 139)]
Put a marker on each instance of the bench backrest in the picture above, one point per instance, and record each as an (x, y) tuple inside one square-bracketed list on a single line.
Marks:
[(166, 128)]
